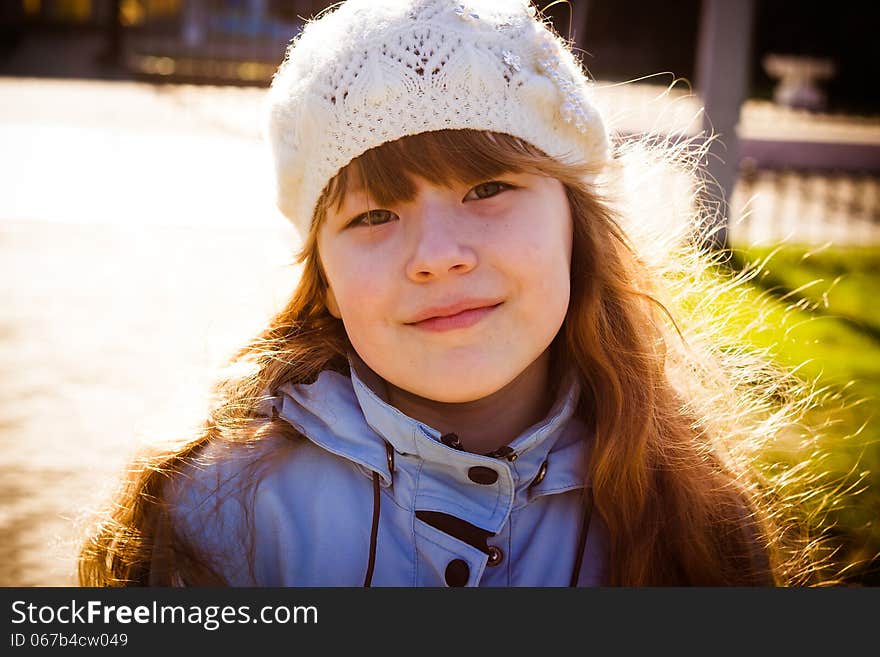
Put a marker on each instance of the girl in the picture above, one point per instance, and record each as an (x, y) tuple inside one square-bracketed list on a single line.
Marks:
[(474, 383)]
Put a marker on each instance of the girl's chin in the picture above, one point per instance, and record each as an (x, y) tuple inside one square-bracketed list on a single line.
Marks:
[(450, 396), (457, 388)]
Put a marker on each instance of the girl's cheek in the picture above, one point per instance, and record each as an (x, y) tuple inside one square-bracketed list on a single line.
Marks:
[(374, 255), (530, 244), (368, 282)]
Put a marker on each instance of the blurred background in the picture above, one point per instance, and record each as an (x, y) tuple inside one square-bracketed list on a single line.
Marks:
[(140, 245)]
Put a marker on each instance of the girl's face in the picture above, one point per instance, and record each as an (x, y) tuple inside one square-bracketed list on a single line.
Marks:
[(454, 293)]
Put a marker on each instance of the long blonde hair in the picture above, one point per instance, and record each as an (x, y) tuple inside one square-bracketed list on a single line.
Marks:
[(676, 422)]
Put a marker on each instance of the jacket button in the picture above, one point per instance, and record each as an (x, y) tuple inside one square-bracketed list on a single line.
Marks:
[(482, 475), (457, 573), (496, 556)]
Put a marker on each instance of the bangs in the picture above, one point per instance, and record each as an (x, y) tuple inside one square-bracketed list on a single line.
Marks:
[(444, 157)]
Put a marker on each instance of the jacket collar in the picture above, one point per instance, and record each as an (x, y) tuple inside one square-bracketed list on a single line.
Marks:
[(350, 417)]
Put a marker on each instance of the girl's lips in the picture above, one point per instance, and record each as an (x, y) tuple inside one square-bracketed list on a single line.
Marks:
[(464, 319)]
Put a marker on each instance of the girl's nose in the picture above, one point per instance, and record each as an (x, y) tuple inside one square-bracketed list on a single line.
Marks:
[(438, 248)]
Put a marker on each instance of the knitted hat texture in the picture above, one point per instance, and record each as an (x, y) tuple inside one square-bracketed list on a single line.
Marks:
[(372, 71)]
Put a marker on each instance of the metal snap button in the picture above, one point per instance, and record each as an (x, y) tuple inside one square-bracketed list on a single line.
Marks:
[(482, 475), (389, 453), (542, 472), (496, 556), (457, 573)]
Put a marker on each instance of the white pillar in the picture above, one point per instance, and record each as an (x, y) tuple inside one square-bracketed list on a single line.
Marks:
[(722, 78)]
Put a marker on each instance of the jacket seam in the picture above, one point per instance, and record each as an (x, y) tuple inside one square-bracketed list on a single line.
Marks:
[(535, 497), (412, 513), (393, 499), (510, 549), (444, 506)]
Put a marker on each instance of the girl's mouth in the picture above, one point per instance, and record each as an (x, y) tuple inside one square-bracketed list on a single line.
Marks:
[(459, 320)]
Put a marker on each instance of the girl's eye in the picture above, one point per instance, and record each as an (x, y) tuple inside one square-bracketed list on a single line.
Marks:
[(373, 218), (487, 190)]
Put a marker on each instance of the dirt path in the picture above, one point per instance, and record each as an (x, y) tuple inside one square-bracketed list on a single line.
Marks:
[(109, 338)]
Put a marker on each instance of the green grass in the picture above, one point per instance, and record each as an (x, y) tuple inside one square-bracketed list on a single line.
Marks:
[(821, 313), (841, 282)]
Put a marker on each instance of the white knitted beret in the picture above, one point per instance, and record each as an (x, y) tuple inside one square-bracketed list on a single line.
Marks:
[(372, 71)]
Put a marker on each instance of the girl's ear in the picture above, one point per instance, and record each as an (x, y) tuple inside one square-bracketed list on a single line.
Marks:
[(330, 302)]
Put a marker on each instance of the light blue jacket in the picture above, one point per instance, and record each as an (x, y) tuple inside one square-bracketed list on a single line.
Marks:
[(446, 517)]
